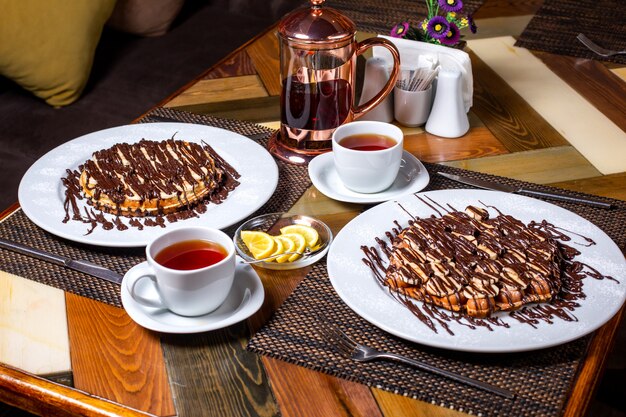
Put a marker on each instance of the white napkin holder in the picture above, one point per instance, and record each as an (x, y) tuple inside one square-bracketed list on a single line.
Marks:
[(416, 54)]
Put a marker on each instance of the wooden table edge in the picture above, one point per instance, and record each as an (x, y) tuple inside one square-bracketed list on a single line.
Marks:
[(40, 396), (7, 212), (591, 371)]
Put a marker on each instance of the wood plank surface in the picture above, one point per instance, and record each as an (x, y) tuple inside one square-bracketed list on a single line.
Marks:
[(613, 186), (478, 143), (264, 55), (215, 91), (335, 214), (620, 72), (233, 381), (114, 358), (255, 110), (278, 286), (302, 392), (33, 327), (399, 406), (595, 136), (235, 65), (594, 81), (507, 115), (542, 166)]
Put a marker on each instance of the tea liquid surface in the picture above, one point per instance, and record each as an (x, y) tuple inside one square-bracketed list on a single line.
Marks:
[(367, 142), (191, 254)]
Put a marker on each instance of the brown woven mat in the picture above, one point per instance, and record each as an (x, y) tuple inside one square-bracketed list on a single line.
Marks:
[(556, 24), (293, 181), (379, 16), (542, 379)]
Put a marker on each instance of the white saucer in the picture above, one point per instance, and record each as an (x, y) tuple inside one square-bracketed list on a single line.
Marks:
[(245, 299), (412, 178)]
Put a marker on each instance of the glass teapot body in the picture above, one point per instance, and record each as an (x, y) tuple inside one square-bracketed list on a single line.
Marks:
[(317, 95), (318, 52)]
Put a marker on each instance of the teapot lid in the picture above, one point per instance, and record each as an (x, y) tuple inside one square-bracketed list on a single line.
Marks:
[(316, 24)]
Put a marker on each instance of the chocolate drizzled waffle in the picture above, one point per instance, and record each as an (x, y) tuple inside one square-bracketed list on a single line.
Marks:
[(151, 178), (468, 262)]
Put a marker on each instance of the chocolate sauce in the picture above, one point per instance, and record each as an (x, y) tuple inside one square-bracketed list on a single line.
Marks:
[(121, 172), (462, 255), (136, 223), (557, 232)]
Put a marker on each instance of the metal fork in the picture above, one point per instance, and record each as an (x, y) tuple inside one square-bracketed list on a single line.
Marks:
[(597, 48), (360, 353)]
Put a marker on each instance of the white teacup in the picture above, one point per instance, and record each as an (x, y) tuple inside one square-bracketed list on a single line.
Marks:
[(367, 171), (192, 292)]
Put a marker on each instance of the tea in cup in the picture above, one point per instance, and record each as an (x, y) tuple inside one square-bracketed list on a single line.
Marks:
[(367, 155), (192, 270)]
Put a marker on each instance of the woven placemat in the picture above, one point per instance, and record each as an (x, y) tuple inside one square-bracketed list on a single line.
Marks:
[(379, 17), (555, 26), (542, 379), (293, 181)]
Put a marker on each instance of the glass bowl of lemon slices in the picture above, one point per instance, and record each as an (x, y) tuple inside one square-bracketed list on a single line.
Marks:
[(282, 241)]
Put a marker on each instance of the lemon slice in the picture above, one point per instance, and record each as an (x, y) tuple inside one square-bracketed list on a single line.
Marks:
[(280, 248), (299, 244), (288, 246), (310, 234), (260, 244)]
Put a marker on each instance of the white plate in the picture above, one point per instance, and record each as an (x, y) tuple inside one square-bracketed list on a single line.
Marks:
[(245, 298), (358, 288), (412, 178), (41, 193)]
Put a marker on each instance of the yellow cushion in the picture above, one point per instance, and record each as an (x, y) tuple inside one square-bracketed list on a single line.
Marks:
[(47, 46)]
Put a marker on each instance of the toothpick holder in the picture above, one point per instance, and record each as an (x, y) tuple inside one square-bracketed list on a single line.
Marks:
[(412, 108)]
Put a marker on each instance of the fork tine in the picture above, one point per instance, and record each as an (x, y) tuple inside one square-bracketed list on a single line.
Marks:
[(346, 344), (338, 339), (585, 41), (330, 333), (594, 47)]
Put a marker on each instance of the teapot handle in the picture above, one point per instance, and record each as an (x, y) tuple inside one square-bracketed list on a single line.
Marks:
[(382, 94)]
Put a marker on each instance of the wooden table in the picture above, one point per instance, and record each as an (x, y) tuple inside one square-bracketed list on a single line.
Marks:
[(527, 127)]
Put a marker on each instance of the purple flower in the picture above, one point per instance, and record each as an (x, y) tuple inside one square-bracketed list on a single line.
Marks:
[(437, 27), (451, 5), (400, 30), (471, 23), (452, 36)]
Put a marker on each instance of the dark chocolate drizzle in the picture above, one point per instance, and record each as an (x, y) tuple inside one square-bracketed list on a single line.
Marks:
[(548, 266), (166, 172)]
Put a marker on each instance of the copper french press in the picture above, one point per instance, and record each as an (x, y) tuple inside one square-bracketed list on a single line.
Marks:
[(318, 51)]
